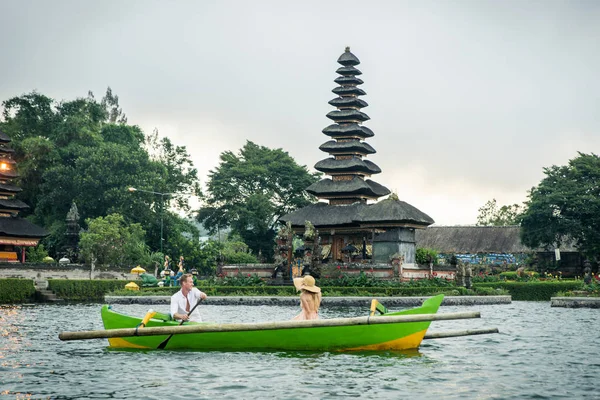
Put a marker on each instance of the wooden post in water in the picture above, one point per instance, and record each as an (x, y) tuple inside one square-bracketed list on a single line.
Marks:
[(469, 332)]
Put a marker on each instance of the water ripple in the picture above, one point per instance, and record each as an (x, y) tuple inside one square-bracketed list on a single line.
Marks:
[(541, 353)]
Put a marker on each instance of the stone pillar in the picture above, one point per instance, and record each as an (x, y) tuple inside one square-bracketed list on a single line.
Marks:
[(460, 275), (392, 241), (468, 277)]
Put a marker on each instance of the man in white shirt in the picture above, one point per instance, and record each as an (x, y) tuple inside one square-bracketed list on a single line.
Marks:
[(184, 300)]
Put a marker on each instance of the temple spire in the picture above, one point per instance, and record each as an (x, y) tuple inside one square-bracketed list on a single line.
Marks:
[(346, 165)]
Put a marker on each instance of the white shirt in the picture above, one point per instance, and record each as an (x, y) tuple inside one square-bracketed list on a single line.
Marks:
[(178, 304)]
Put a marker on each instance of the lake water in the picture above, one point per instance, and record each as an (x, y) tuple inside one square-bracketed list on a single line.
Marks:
[(541, 353)]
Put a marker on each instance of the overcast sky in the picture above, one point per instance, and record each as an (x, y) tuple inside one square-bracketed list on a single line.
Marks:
[(469, 100)]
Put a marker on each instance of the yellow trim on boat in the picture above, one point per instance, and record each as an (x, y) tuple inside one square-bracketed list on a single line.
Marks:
[(122, 343), (408, 342)]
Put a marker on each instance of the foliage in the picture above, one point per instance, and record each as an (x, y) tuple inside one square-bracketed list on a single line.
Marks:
[(16, 290), (491, 215), (257, 290), (534, 290), (251, 190), (205, 257), (84, 290), (110, 241), (237, 280), (82, 150), (424, 256), (566, 206), (338, 276), (36, 254), (508, 275), (235, 251)]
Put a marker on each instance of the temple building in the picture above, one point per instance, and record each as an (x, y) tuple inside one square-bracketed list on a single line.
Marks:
[(351, 228), (14, 231)]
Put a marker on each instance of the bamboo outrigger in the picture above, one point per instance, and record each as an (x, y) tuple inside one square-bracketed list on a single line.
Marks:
[(391, 331)]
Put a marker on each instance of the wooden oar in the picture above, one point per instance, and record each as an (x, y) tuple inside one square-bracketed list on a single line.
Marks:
[(163, 344), (377, 306), (202, 328)]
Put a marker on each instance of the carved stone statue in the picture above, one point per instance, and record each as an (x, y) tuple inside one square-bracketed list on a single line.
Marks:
[(587, 272)]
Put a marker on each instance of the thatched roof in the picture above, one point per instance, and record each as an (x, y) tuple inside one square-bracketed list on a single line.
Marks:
[(353, 164), (345, 102), (356, 186), (394, 212), (19, 227), (351, 146), (476, 239), (347, 115), (348, 59), (348, 71), (348, 80), (13, 204), (348, 90), (323, 214), (10, 188), (6, 149), (4, 138), (352, 129), (385, 213), (8, 174)]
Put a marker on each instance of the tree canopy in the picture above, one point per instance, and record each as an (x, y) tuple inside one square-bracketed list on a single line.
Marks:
[(84, 151), (249, 191), (566, 206), (109, 240), (492, 215)]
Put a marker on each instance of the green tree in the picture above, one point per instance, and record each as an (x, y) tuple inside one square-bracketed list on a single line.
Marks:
[(492, 215), (235, 251), (424, 256), (83, 151), (566, 206), (36, 254), (251, 190), (109, 240)]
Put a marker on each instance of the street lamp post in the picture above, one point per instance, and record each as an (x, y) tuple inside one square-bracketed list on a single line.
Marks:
[(162, 209)]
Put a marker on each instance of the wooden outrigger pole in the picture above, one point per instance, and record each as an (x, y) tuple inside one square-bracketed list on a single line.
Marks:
[(203, 328)]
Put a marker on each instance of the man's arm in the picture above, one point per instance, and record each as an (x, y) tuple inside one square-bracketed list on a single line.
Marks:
[(174, 307)]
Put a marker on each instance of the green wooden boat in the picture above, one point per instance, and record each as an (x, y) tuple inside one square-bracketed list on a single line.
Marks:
[(377, 332)]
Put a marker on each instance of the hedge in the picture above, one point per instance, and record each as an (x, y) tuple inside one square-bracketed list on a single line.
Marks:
[(291, 291), (16, 290), (84, 290), (533, 291)]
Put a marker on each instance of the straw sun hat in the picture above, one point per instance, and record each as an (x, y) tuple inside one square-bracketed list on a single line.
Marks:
[(308, 283)]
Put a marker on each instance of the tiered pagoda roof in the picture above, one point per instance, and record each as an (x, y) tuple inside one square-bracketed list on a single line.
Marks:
[(348, 190), (13, 229), (346, 166)]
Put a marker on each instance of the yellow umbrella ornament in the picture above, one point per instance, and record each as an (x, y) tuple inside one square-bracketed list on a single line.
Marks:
[(132, 286), (138, 270)]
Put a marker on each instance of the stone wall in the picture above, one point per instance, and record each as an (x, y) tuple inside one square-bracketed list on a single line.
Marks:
[(40, 271), (380, 271)]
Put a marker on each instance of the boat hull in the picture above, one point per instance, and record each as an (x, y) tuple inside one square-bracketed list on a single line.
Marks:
[(394, 336)]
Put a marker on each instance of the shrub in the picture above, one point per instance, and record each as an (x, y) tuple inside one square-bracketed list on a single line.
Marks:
[(37, 253), (509, 275), (84, 290), (425, 256), (533, 291), (16, 290)]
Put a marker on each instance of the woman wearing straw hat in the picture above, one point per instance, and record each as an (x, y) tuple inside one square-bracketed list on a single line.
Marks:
[(310, 298)]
